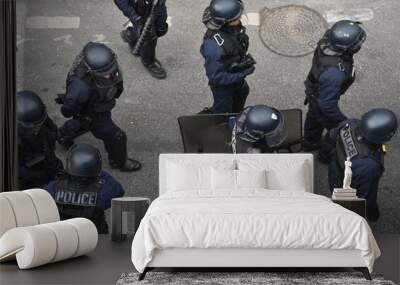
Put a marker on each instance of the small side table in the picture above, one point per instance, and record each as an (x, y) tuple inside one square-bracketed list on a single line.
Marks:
[(356, 205), (137, 206)]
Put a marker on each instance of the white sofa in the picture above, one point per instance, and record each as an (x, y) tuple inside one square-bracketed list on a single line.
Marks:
[(31, 231)]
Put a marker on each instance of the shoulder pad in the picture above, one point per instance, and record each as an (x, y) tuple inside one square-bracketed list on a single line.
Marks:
[(219, 39)]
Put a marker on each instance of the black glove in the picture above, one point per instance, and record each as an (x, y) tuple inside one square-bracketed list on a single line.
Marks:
[(249, 71), (60, 99), (135, 20)]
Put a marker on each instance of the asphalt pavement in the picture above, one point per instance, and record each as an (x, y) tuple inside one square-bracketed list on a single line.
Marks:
[(52, 32)]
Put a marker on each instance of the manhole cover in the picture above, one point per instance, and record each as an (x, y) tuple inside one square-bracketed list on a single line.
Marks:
[(291, 30)]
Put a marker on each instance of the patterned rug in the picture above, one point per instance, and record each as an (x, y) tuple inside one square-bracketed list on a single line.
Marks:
[(253, 278)]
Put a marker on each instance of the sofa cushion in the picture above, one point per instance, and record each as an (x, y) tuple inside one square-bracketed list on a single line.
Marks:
[(67, 240), (23, 208), (26, 208), (45, 205), (7, 218)]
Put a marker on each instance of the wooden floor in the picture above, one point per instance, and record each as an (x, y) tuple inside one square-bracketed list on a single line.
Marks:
[(110, 260)]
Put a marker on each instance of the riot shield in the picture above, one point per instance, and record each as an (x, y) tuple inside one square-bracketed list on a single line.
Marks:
[(210, 133), (206, 133)]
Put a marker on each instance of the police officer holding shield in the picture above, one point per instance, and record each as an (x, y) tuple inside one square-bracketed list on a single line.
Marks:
[(331, 74), (94, 84), (85, 190), (225, 51), (258, 129), (149, 20), (362, 141), (37, 135)]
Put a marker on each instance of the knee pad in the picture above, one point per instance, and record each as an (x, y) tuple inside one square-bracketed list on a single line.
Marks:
[(162, 32)]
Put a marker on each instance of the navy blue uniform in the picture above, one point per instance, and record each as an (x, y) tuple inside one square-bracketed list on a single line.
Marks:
[(230, 89), (330, 76), (129, 11), (38, 164), (367, 163), (137, 13), (78, 103), (86, 200), (323, 111)]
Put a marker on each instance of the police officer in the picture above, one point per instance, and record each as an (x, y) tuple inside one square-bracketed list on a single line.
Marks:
[(138, 12), (37, 135), (227, 62), (85, 190), (94, 83), (363, 142), (258, 129), (331, 74)]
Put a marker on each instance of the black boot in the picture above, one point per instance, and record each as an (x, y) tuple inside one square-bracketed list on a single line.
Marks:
[(130, 165), (129, 36), (155, 69), (206, 111)]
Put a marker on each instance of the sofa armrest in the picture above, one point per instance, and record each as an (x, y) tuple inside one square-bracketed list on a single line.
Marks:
[(41, 244)]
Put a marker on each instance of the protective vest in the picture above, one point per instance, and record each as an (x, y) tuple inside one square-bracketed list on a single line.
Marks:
[(322, 62), (34, 151), (235, 45), (76, 199), (105, 98), (350, 144)]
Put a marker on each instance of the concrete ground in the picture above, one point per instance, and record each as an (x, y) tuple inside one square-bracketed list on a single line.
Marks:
[(148, 109)]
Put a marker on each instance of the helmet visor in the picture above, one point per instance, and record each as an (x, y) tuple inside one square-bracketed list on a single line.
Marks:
[(357, 46), (31, 128), (107, 77), (278, 136), (272, 139)]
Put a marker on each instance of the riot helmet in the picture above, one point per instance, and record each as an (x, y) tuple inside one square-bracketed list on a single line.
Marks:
[(346, 36), (378, 125), (263, 122), (83, 160), (31, 113), (101, 63), (221, 12)]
